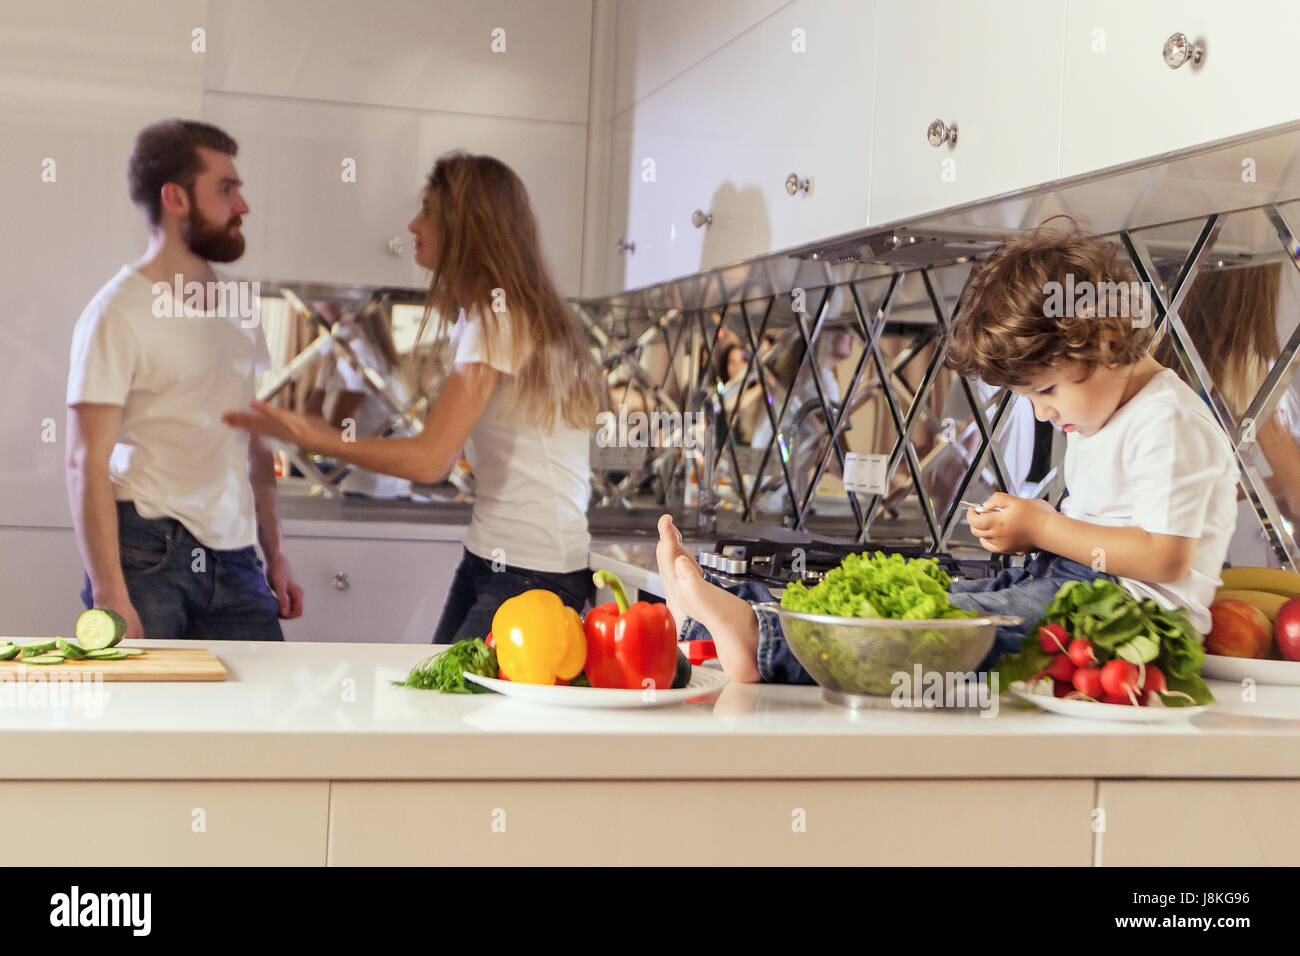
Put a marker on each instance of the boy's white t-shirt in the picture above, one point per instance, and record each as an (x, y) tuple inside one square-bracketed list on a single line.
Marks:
[(531, 487), (173, 377), (1163, 464)]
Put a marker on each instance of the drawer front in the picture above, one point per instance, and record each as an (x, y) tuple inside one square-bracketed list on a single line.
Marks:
[(711, 822), (1220, 822), (156, 823), (363, 590)]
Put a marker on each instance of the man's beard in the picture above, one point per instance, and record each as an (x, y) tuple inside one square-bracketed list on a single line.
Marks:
[(216, 244)]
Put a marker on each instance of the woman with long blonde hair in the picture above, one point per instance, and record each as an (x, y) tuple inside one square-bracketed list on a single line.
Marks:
[(521, 398)]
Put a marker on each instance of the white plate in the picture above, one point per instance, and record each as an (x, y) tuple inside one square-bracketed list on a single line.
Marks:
[(1261, 672), (1041, 696), (704, 680)]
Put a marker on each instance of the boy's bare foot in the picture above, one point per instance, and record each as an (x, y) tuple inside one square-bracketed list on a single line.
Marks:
[(729, 619)]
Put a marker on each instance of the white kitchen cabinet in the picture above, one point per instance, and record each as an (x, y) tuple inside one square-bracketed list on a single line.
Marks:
[(77, 83), (40, 581), (169, 823), (442, 55), (369, 589), (1122, 102), (1219, 822), (993, 70), (712, 822), (308, 222), (723, 136)]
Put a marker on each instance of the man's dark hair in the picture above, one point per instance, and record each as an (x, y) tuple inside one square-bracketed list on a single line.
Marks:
[(166, 153)]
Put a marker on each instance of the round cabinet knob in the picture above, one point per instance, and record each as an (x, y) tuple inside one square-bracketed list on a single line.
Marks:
[(794, 185), (340, 581), (1179, 50), (625, 246), (700, 218), (940, 133)]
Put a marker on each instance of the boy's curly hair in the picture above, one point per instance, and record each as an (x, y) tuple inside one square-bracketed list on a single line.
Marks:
[(1015, 318)]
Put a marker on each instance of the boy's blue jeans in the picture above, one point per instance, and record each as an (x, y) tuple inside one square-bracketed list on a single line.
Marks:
[(1023, 592)]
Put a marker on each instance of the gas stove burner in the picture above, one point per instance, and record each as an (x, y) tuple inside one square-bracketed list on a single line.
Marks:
[(782, 562)]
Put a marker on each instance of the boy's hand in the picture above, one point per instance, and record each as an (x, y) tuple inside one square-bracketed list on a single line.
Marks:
[(1017, 527)]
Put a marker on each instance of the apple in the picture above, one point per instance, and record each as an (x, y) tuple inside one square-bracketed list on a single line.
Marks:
[(1238, 629), (1288, 630)]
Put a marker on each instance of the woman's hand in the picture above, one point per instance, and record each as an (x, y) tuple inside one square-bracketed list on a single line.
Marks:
[(310, 432), (1016, 528)]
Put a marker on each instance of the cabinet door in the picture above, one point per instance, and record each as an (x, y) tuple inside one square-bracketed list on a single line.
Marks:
[(1220, 822), (168, 823), (993, 70), (790, 95), (330, 184), (712, 822), (40, 581), (370, 590), (1122, 102)]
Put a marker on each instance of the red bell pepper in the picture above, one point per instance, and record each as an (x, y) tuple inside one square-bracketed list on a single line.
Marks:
[(628, 646)]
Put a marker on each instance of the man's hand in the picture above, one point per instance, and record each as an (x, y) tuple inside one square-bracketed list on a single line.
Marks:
[(121, 603), (1016, 528), (287, 590)]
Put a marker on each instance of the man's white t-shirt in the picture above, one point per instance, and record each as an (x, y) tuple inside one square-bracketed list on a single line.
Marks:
[(173, 377), (1163, 464), (531, 487)]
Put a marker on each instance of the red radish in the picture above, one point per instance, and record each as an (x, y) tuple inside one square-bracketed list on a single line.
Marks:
[(1119, 678), (1153, 685), (1081, 652), (1061, 669), (1062, 687), (1114, 699), (1052, 638), (1087, 681)]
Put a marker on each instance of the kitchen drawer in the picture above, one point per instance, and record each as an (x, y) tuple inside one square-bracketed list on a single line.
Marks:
[(711, 822), (155, 823), (363, 589), (1122, 102), (994, 70), (1219, 822)]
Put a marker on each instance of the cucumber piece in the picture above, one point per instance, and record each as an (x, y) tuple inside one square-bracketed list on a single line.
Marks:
[(106, 654), (682, 675), (44, 659), (36, 648), (129, 651), (69, 649), (99, 628), (8, 651)]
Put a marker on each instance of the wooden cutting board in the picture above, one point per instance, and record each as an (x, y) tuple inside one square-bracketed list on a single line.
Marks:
[(155, 664)]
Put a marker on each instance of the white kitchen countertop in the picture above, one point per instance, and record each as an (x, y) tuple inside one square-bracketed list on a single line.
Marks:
[(327, 711)]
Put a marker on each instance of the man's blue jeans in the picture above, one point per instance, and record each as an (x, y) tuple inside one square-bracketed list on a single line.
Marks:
[(183, 589), (1022, 592)]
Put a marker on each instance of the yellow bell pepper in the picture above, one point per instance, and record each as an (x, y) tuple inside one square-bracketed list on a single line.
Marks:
[(539, 638)]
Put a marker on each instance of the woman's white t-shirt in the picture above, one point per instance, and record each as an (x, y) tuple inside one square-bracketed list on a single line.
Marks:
[(1163, 464), (531, 487)]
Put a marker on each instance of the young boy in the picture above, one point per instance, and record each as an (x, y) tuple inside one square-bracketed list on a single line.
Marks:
[(1150, 473)]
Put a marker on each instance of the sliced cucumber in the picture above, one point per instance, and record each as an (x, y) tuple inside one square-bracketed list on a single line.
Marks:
[(44, 659), (69, 649), (36, 648), (129, 651), (107, 654), (8, 651), (99, 628)]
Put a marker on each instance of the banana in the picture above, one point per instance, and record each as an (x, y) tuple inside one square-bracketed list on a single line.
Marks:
[(1261, 579), (1266, 601)]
